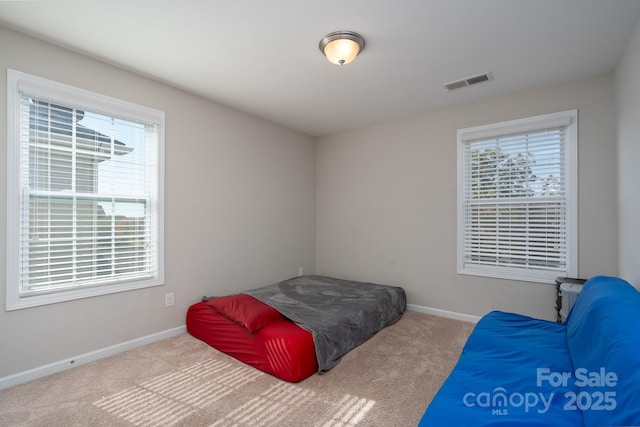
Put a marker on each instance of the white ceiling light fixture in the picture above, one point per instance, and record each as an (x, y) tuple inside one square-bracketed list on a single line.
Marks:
[(342, 47)]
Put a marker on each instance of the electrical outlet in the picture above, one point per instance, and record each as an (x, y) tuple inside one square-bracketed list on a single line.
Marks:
[(300, 271), (169, 299)]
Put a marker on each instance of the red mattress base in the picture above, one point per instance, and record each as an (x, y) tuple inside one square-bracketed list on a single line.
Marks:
[(281, 348)]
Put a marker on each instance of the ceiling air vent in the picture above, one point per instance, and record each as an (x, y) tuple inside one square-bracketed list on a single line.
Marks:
[(473, 80)]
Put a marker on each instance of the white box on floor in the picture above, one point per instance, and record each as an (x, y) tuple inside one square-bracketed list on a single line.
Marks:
[(570, 292)]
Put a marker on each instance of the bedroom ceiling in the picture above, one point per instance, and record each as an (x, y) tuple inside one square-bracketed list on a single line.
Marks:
[(262, 57)]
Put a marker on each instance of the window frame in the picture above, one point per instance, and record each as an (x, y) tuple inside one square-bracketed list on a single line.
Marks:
[(567, 118), (19, 82)]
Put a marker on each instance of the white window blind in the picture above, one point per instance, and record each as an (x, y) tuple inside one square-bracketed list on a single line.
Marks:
[(516, 210), (88, 217)]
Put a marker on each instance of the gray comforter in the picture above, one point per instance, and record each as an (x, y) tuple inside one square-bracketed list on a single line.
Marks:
[(340, 314)]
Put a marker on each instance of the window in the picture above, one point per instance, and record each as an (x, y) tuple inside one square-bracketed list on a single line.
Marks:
[(517, 198), (84, 190)]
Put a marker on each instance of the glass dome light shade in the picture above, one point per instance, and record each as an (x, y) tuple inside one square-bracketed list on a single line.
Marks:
[(341, 47)]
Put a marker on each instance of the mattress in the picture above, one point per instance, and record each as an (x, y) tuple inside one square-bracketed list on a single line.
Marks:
[(272, 344), (294, 328)]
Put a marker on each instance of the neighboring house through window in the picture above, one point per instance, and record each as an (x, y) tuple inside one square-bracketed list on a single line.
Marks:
[(84, 193), (517, 198)]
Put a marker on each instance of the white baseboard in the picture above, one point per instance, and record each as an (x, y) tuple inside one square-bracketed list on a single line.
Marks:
[(443, 313), (62, 365)]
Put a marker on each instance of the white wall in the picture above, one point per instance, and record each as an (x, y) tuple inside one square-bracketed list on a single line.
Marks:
[(628, 114), (386, 201), (240, 211)]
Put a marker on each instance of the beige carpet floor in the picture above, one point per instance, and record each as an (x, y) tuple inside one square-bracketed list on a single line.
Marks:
[(387, 381)]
